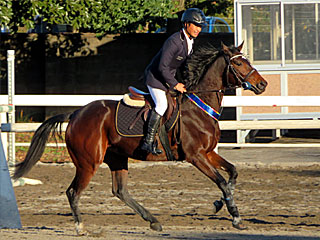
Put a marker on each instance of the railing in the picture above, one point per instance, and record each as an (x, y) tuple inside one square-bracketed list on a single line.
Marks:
[(228, 101)]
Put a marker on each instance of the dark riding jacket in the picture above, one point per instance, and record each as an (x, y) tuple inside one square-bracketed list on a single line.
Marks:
[(160, 73)]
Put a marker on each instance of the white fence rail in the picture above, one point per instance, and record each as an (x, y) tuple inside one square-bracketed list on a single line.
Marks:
[(56, 100), (224, 125), (228, 101)]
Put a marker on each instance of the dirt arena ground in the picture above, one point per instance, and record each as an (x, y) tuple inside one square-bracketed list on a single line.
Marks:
[(277, 195)]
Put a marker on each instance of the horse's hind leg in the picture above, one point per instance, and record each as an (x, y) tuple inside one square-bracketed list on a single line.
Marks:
[(79, 183), (86, 167), (119, 171)]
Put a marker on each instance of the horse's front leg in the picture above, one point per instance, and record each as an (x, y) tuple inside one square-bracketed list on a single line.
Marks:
[(208, 167), (221, 163), (119, 189)]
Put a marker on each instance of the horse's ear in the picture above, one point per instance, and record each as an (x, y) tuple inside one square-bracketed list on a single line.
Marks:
[(225, 48), (240, 46)]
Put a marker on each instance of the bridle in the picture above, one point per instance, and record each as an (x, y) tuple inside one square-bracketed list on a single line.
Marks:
[(241, 80)]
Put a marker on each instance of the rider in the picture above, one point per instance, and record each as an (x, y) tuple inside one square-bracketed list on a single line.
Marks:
[(160, 73)]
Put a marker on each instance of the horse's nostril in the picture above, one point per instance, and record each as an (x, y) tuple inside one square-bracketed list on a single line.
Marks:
[(262, 85)]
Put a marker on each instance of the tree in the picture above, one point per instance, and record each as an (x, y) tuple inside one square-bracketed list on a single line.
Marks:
[(5, 12), (103, 16), (99, 16)]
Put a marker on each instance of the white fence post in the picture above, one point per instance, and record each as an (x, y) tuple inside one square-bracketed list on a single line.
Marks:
[(11, 92)]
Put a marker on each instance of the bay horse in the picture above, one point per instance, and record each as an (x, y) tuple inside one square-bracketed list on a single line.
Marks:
[(92, 139)]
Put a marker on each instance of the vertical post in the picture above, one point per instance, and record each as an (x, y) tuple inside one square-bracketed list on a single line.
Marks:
[(293, 29), (239, 34), (9, 214), (11, 93), (283, 46), (316, 19), (241, 134), (235, 21)]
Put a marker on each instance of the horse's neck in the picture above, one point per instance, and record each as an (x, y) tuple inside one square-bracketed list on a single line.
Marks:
[(213, 80)]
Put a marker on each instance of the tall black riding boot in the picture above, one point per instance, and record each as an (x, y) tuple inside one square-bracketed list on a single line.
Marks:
[(153, 125)]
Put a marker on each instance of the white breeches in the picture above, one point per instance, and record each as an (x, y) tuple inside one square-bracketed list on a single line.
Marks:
[(160, 99)]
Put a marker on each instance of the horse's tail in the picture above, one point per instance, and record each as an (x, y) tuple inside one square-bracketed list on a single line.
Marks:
[(38, 143)]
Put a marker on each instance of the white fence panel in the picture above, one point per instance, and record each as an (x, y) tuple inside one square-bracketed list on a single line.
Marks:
[(56, 100), (228, 101)]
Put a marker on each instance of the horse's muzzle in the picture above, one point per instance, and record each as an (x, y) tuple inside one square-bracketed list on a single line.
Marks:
[(259, 87), (262, 85)]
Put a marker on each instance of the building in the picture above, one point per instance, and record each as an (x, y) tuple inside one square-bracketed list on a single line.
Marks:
[(282, 41)]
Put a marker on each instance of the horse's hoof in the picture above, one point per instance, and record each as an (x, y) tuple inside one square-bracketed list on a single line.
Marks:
[(80, 230), (217, 205), (239, 226), (82, 233), (156, 226), (237, 223)]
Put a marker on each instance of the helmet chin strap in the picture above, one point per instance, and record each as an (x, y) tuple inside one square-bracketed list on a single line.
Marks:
[(185, 28)]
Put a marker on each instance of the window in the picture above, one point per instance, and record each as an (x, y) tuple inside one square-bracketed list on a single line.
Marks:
[(301, 23), (261, 29)]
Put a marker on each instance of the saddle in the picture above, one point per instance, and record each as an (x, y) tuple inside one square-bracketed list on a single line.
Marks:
[(132, 113), (138, 98)]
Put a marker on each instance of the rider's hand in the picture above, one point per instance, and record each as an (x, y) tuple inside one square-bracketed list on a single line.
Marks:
[(180, 87)]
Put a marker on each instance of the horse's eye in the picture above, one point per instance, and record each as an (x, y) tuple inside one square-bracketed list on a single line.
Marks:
[(238, 63)]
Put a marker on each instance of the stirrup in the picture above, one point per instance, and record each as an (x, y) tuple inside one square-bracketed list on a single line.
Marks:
[(151, 148)]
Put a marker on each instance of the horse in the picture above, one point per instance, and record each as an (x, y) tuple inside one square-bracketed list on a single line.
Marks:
[(91, 137)]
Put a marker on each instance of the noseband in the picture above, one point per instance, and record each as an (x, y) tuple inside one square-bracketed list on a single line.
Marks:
[(242, 80)]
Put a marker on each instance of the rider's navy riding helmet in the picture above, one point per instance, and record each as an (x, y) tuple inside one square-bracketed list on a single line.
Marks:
[(195, 16)]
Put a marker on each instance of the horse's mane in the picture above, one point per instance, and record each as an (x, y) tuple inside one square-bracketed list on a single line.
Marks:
[(197, 65)]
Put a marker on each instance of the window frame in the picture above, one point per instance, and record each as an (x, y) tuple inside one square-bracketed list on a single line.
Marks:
[(281, 63)]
